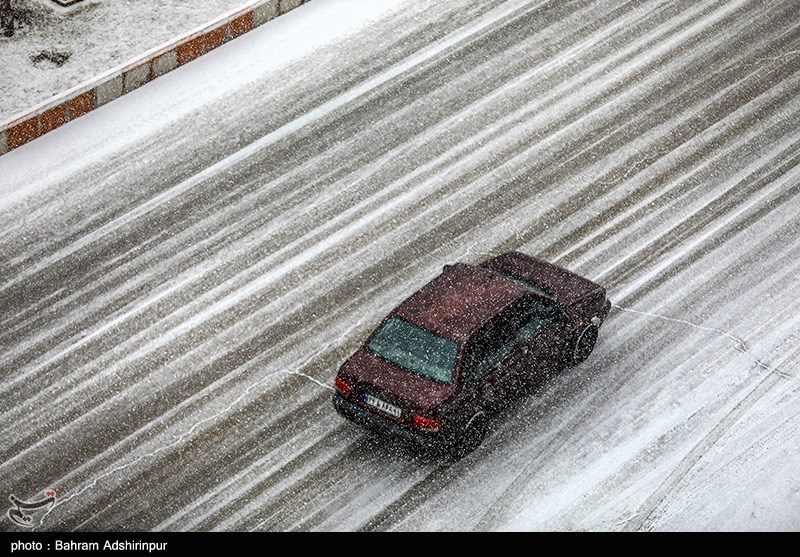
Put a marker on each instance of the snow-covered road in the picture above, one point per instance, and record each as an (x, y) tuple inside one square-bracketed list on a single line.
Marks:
[(174, 303)]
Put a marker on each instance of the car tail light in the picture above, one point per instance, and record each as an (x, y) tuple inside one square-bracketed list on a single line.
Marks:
[(427, 424), (342, 386)]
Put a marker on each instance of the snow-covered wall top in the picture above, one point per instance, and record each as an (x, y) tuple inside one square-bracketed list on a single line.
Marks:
[(105, 87)]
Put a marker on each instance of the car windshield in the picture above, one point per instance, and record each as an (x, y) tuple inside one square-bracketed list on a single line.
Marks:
[(416, 350), (535, 287)]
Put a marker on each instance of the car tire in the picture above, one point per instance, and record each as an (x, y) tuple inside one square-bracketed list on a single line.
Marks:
[(471, 436), (584, 344)]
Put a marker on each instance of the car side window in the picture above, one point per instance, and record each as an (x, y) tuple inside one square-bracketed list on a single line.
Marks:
[(489, 347), (532, 317)]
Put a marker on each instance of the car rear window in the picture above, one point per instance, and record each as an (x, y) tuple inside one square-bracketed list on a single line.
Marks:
[(416, 350)]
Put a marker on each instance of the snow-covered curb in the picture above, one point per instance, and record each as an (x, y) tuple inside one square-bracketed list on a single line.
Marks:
[(96, 92)]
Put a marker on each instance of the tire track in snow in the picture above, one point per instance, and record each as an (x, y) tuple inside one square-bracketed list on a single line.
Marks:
[(648, 514)]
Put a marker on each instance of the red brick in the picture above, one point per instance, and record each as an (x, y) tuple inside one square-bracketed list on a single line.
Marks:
[(53, 118), (189, 50), (242, 24), (23, 132), (213, 39), (80, 105)]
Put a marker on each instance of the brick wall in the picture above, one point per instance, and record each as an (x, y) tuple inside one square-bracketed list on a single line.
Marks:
[(111, 85)]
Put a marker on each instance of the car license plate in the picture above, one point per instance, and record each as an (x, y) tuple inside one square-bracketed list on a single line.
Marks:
[(381, 405)]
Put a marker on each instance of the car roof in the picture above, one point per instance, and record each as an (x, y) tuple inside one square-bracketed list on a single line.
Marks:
[(460, 300)]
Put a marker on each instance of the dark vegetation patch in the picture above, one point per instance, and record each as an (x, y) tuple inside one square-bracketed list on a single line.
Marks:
[(50, 58)]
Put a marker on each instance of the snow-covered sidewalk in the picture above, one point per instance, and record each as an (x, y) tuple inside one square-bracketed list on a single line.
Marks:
[(63, 62)]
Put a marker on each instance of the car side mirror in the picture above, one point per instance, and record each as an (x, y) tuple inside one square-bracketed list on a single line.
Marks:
[(562, 315)]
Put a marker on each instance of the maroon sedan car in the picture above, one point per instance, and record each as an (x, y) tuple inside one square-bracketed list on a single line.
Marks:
[(441, 363)]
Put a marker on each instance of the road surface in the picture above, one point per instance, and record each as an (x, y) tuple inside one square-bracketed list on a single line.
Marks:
[(184, 269)]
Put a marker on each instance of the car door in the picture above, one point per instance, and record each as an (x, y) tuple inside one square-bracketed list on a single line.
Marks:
[(540, 331), (492, 363)]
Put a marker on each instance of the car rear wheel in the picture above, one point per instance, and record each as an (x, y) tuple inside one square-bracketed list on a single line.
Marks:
[(471, 436), (584, 344)]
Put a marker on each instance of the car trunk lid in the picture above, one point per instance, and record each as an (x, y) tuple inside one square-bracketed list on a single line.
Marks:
[(390, 390)]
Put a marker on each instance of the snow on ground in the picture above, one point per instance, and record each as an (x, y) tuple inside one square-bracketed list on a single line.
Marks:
[(58, 48), (237, 67), (175, 304)]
